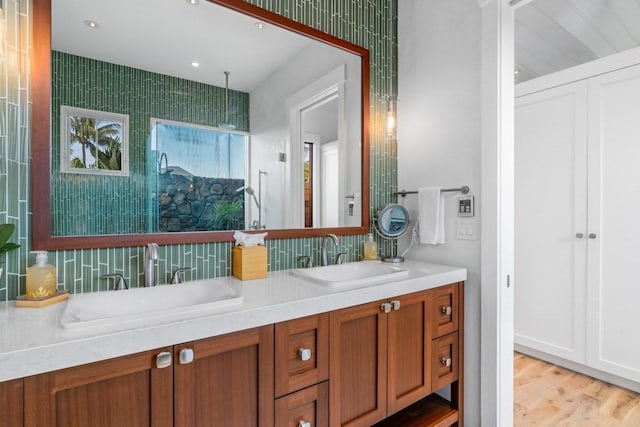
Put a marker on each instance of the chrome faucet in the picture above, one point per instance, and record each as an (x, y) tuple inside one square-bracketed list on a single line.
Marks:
[(150, 255), (325, 240)]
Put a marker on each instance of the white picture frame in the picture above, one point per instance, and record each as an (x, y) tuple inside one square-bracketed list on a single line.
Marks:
[(105, 150)]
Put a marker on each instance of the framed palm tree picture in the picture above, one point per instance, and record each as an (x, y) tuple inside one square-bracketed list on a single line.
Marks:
[(93, 142)]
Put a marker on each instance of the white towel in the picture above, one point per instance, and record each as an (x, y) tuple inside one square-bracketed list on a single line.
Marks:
[(431, 215)]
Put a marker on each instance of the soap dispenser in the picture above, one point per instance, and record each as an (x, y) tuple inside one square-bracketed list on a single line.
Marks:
[(370, 249), (41, 278)]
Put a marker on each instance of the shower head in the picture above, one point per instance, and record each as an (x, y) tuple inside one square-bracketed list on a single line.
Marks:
[(250, 191)]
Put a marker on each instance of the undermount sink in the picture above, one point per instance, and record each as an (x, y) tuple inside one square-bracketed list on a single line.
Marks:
[(162, 302), (353, 273)]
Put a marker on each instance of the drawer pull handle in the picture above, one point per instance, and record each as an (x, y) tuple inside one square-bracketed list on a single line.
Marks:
[(446, 361), (592, 235), (579, 235), (446, 309), (163, 360), (304, 424), (186, 356), (395, 304), (386, 307), (305, 354)]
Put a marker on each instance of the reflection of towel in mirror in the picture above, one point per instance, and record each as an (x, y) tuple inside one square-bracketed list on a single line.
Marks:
[(431, 215)]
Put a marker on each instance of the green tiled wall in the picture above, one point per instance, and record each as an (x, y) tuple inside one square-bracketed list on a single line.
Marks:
[(363, 22), (84, 204)]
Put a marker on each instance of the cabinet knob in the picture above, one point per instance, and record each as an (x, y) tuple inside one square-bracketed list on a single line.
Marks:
[(163, 360), (579, 235), (304, 424), (386, 307), (395, 304), (186, 356), (592, 235), (305, 354), (446, 361), (446, 309)]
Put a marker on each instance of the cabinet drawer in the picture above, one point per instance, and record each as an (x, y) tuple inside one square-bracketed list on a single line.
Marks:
[(302, 353), (305, 408), (445, 361), (444, 310)]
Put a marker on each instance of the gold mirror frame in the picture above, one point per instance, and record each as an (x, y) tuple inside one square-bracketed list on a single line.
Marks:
[(42, 238)]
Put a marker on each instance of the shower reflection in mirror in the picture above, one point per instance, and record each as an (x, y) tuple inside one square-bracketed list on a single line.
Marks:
[(198, 178)]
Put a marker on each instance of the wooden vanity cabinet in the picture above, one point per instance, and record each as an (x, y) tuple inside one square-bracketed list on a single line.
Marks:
[(129, 390), (225, 381), (302, 371), (11, 393), (379, 361), (383, 362)]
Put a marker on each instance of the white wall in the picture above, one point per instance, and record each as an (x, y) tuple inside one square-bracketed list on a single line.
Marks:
[(439, 140), (270, 123)]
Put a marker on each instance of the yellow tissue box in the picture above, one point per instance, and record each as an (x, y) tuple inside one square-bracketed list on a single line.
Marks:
[(249, 262)]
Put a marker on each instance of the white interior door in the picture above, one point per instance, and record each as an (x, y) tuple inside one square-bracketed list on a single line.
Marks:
[(330, 192), (614, 227), (550, 215)]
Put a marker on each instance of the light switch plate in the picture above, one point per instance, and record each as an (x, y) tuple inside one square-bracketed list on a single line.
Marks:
[(466, 229)]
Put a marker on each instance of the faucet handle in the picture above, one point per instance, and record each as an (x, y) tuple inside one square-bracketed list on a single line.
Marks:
[(307, 261), (175, 278), (341, 257), (120, 284)]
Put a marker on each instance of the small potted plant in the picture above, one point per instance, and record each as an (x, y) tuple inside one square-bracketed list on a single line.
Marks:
[(6, 230)]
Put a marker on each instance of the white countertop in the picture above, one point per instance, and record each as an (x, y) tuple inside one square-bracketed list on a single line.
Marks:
[(32, 340)]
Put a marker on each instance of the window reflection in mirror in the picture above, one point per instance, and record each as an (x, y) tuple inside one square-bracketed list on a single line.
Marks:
[(199, 178)]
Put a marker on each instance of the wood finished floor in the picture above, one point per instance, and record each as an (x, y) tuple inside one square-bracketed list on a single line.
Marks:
[(548, 395)]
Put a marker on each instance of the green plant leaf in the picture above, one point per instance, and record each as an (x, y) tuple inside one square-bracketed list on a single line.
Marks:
[(6, 230)]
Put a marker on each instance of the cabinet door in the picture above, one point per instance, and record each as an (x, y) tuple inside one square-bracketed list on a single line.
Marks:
[(11, 397), (550, 214), (358, 366), (408, 351), (304, 408), (614, 229), (444, 310), (127, 391), (225, 381), (302, 353)]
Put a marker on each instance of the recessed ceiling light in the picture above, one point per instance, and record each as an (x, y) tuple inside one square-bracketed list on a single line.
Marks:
[(516, 72), (261, 25), (91, 24), (195, 64), (193, 2)]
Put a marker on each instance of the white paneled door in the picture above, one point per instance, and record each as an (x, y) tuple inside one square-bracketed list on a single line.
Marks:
[(550, 217), (577, 222), (613, 343)]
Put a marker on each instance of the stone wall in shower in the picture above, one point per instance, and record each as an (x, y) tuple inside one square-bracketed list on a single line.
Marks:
[(191, 203)]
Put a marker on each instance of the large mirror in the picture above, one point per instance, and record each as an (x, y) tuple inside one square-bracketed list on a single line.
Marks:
[(176, 122)]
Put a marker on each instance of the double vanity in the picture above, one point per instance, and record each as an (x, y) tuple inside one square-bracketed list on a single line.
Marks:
[(347, 345)]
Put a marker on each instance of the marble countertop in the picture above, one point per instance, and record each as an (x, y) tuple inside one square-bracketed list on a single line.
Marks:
[(32, 340)]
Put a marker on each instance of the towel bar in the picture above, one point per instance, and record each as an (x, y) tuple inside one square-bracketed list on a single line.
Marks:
[(464, 190)]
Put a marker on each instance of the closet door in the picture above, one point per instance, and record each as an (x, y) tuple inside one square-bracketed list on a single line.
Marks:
[(550, 221), (614, 223)]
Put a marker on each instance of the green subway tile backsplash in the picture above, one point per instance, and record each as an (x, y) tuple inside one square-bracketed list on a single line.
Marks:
[(363, 22), (96, 204)]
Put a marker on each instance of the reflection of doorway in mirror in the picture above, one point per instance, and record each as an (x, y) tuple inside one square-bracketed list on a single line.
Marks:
[(308, 184), (330, 184)]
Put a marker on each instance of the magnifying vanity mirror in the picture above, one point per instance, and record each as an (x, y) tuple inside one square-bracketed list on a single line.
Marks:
[(192, 122), (392, 222)]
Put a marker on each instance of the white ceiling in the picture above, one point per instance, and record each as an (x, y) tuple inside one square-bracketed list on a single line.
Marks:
[(166, 36), (551, 35)]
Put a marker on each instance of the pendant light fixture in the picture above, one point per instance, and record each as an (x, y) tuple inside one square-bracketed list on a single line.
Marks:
[(226, 124), (392, 99)]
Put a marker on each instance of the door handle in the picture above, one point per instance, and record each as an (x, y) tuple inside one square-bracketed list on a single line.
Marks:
[(163, 360), (579, 235), (592, 235)]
